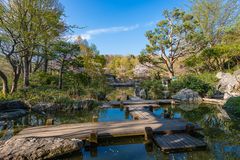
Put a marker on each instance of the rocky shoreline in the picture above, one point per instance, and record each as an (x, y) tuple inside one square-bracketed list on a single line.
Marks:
[(37, 148), (14, 109), (32, 147)]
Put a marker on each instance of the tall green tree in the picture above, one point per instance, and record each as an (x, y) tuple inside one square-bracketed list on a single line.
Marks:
[(4, 78), (64, 52), (173, 37), (25, 24), (214, 17)]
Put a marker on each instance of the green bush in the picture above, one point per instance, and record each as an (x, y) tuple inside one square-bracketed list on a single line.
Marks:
[(233, 105), (42, 78), (154, 88), (208, 77), (191, 82)]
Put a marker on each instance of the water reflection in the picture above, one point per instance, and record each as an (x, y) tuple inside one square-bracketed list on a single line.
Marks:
[(221, 133)]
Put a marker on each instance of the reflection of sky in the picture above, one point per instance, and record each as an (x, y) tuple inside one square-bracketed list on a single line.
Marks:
[(112, 114), (121, 152), (159, 112)]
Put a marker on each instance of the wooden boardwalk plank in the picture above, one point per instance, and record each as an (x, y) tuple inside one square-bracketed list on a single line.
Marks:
[(176, 142), (106, 129), (141, 113), (149, 102), (142, 105)]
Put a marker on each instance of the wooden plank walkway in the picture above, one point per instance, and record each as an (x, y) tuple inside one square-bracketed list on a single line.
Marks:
[(106, 129), (142, 105), (178, 142), (160, 101), (146, 102), (142, 114)]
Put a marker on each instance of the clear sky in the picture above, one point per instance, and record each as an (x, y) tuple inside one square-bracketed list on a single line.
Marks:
[(116, 26)]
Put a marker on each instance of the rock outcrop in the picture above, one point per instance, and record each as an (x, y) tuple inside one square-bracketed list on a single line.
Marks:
[(44, 107), (12, 109), (37, 148), (229, 84), (187, 95), (8, 105), (12, 114), (83, 104)]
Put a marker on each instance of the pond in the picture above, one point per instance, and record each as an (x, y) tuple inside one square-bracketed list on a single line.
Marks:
[(221, 134)]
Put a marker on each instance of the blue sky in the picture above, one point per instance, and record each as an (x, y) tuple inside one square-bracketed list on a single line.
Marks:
[(116, 26)]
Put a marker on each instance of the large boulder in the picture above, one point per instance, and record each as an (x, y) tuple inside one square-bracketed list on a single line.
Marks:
[(8, 105), (43, 107), (229, 84), (187, 95), (37, 148), (143, 94), (12, 114), (12, 109)]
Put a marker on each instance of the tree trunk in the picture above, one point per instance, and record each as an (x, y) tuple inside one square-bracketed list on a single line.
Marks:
[(171, 70), (60, 81), (45, 65), (171, 74), (26, 71), (16, 77), (30, 67), (5, 89)]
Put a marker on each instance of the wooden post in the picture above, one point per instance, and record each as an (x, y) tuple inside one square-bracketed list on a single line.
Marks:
[(190, 128), (151, 108), (136, 118), (148, 134), (49, 121), (127, 109), (126, 115), (93, 151), (95, 119), (166, 114), (149, 146), (93, 138)]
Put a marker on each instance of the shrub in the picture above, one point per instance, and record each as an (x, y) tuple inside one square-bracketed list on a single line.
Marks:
[(233, 105), (154, 88), (44, 79), (191, 82)]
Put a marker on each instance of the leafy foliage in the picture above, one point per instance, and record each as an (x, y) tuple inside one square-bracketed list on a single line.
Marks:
[(233, 104), (154, 88), (173, 37), (214, 17), (122, 66), (191, 82), (217, 58)]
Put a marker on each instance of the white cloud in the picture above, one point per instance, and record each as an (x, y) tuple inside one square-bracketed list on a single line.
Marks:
[(90, 33), (150, 24)]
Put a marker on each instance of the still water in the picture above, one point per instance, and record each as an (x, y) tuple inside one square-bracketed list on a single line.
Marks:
[(221, 134)]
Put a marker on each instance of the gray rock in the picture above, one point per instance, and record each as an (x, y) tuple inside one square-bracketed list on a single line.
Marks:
[(37, 148), (187, 95), (229, 84), (143, 94), (43, 107), (12, 114), (84, 104), (8, 105)]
